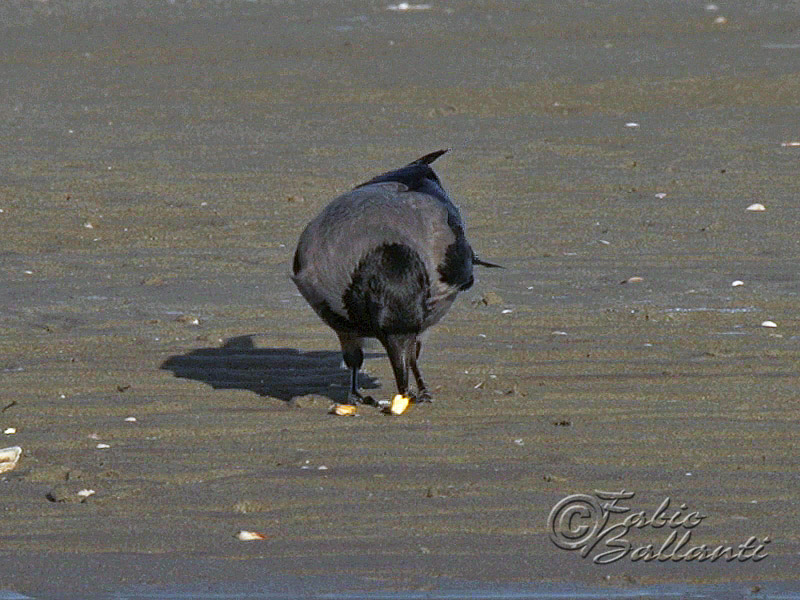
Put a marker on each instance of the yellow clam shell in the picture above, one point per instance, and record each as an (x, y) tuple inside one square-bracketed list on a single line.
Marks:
[(399, 404)]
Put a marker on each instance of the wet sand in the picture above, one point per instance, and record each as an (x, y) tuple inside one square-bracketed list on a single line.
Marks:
[(161, 161)]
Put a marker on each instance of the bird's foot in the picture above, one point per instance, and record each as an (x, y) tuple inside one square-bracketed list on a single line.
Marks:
[(422, 396), (357, 398)]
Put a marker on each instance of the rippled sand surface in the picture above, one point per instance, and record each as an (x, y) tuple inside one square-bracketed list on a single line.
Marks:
[(160, 160)]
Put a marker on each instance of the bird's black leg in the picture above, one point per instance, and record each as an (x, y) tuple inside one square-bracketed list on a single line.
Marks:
[(402, 350), (423, 395), (353, 357)]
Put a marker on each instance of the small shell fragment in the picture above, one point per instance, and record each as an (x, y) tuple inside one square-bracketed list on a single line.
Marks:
[(634, 279), (769, 324), (9, 458), (130, 419), (756, 207), (102, 446), (790, 144), (188, 319), (343, 410), (86, 493), (399, 404), (406, 6), (249, 536), (10, 430), (737, 283)]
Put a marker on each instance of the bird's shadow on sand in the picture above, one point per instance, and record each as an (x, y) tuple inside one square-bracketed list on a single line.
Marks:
[(283, 373)]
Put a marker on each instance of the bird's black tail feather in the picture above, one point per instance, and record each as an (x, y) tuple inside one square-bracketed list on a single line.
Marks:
[(429, 158), (483, 263)]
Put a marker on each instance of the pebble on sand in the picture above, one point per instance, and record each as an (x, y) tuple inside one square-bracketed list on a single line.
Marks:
[(757, 207), (769, 324), (737, 283)]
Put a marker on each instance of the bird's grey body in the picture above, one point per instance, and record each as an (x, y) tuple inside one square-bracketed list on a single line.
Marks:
[(386, 260)]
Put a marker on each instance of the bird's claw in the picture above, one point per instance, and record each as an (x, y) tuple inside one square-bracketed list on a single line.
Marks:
[(356, 398), (422, 397)]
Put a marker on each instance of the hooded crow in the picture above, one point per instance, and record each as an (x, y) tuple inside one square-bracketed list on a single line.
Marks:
[(386, 260)]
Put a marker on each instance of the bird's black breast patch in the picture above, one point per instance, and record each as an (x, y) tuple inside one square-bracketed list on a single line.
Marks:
[(388, 292), (456, 268)]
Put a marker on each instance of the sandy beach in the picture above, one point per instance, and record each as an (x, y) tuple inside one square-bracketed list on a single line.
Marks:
[(161, 160)]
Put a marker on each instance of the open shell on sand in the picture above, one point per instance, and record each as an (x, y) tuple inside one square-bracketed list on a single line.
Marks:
[(343, 410), (9, 458)]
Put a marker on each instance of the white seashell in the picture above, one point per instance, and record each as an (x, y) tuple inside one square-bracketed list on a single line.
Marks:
[(9, 458), (86, 493), (88, 225), (720, 20), (249, 536), (712, 7), (784, 144), (769, 324), (10, 430), (737, 283), (634, 279), (631, 124), (661, 195), (506, 311), (757, 207), (102, 446), (130, 419)]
